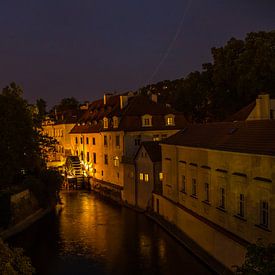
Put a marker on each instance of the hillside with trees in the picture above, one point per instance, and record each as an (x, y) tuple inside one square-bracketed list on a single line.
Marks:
[(240, 70)]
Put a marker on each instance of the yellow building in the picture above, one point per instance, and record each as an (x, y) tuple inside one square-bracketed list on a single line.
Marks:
[(218, 186), (119, 123), (60, 132)]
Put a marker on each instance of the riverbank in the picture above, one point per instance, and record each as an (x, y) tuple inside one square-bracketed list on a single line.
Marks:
[(24, 224)]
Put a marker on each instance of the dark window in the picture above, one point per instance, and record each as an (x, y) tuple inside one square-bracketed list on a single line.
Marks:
[(76, 140), (88, 156), (81, 140), (105, 141), (81, 155), (206, 190), (137, 141), (241, 205), (93, 141), (117, 141), (194, 187), (264, 216), (105, 159), (222, 198), (87, 140), (94, 157)]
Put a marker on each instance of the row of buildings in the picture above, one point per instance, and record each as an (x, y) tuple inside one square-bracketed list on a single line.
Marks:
[(214, 181)]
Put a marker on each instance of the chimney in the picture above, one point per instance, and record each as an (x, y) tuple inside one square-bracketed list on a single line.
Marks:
[(154, 98), (263, 106), (123, 101), (105, 98)]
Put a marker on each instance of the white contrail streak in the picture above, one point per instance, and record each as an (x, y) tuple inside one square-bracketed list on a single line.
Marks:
[(174, 39)]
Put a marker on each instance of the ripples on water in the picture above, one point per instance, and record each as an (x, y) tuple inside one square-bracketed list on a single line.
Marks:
[(92, 236)]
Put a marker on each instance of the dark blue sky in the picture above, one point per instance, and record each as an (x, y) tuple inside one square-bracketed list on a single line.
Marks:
[(63, 48)]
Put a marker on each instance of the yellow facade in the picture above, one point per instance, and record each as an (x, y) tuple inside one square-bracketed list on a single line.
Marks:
[(222, 200)]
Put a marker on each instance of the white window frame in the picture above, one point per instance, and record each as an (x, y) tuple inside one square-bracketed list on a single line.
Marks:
[(146, 120), (105, 123)]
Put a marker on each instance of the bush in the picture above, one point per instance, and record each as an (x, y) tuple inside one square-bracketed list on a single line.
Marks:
[(13, 261)]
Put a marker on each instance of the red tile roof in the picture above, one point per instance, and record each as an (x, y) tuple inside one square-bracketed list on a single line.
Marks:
[(153, 149), (130, 115), (257, 137), (242, 114)]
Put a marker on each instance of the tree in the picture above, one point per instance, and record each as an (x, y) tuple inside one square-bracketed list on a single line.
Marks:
[(259, 259), (13, 261), (19, 147)]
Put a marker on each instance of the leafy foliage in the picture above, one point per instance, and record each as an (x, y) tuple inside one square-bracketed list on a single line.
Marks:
[(13, 261), (260, 259), (19, 145), (240, 70)]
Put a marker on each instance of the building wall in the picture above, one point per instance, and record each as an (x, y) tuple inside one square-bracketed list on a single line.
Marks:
[(247, 174), (212, 241), (61, 133), (144, 166)]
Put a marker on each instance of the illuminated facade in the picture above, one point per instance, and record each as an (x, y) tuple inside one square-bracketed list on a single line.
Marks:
[(218, 186), (119, 123)]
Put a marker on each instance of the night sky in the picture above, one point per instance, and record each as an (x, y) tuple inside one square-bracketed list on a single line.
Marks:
[(63, 48)]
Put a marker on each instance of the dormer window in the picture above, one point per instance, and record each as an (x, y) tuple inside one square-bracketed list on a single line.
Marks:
[(170, 120), (105, 122), (146, 121), (115, 122)]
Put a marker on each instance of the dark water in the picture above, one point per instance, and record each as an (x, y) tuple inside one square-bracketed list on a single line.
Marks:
[(92, 236)]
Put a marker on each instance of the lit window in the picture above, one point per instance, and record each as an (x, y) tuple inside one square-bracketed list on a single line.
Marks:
[(264, 213), (170, 120), (115, 122), (206, 191), (141, 176), (116, 161), (194, 187), (105, 122), (146, 177), (156, 138), (222, 198), (147, 121), (161, 176)]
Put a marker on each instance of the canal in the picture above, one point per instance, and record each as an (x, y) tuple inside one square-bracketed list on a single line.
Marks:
[(92, 236)]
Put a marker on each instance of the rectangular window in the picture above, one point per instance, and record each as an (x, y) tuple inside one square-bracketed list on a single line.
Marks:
[(264, 215), (87, 140), (76, 152), (117, 141), (93, 141), (88, 156), (116, 161), (76, 140), (147, 122), (161, 176), (222, 198), (183, 184), (206, 191), (106, 159), (105, 141), (140, 176), (241, 205), (170, 121), (156, 138), (146, 177), (137, 141), (81, 140), (94, 157), (194, 187), (82, 155)]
